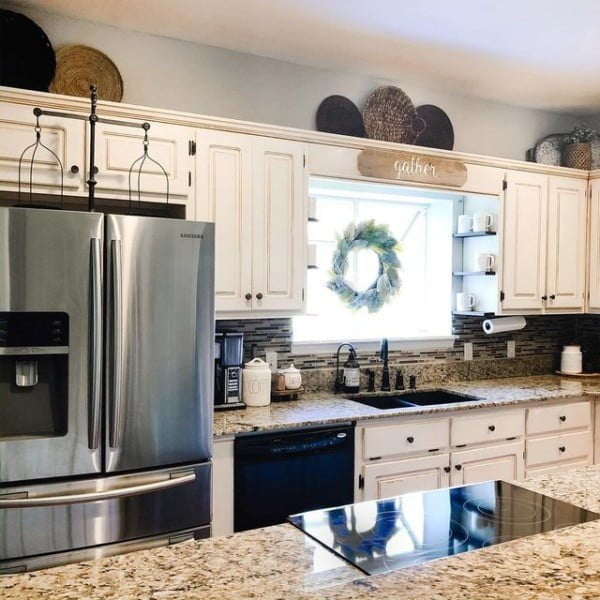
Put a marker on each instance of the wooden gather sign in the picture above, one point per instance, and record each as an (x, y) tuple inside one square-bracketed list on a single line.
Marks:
[(404, 166)]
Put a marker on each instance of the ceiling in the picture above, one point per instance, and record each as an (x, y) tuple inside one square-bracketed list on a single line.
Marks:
[(537, 53)]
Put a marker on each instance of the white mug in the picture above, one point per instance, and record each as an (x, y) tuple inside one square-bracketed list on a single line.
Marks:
[(484, 262), (465, 302), (465, 224), (482, 222)]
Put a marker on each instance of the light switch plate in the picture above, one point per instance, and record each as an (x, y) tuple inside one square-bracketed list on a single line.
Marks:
[(271, 356), (468, 348), (511, 349)]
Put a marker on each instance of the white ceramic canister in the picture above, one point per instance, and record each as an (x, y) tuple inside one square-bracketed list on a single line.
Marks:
[(293, 378), (256, 383), (571, 359)]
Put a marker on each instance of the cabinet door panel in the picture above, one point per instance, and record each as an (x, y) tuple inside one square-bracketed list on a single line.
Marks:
[(65, 137), (406, 476), (594, 257), (565, 282), (504, 461), (117, 147), (524, 241), (224, 196), (279, 265)]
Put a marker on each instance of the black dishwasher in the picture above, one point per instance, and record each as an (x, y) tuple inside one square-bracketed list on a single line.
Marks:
[(280, 474)]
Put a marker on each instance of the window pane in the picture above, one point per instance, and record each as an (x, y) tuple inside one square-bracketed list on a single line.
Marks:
[(425, 264)]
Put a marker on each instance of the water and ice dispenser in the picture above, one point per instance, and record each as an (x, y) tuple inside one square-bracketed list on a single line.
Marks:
[(34, 365)]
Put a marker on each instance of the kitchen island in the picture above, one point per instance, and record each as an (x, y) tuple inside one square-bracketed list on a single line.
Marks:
[(281, 562)]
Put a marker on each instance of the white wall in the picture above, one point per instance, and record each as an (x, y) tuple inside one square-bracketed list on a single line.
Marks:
[(167, 73)]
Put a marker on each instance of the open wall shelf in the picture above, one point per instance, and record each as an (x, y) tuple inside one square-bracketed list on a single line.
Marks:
[(470, 234), (472, 273)]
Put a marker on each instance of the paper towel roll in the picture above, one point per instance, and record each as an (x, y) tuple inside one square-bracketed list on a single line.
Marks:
[(491, 326)]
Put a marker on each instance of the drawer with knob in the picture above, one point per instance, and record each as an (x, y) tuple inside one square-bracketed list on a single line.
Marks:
[(488, 427), (564, 447), (558, 417), (404, 438)]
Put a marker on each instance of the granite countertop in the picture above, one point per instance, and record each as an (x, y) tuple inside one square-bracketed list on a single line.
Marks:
[(279, 563), (325, 408)]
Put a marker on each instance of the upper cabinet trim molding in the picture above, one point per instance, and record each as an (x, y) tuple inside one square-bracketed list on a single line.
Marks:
[(129, 111)]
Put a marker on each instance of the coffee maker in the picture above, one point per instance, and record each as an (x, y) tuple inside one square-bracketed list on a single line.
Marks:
[(229, 355)]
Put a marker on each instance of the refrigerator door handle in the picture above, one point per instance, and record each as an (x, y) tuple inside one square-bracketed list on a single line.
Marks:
[(116, 359), (176, 479), (95, 363)]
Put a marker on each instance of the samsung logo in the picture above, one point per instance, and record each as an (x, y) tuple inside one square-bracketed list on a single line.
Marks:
[(195, 236)]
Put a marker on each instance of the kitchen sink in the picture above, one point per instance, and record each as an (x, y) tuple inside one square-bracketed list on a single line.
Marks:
[(413, 399)]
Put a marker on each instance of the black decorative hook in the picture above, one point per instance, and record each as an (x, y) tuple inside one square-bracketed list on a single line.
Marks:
[(139, 163), (36, 145)]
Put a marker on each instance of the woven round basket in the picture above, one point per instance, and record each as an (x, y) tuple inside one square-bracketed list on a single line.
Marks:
[(390, 115), (578, 156), (77, 67)]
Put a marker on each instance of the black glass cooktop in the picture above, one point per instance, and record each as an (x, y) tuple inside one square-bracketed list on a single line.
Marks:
[(385, 535)]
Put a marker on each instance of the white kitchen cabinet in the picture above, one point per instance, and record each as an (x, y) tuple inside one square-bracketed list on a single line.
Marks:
[(487, 426), (118, 146), (544, 244), (501, 461), (559, 417), (254, 189), (394, 478), (63, 136), (524, 241), (558, 449), (405, 438), (224, 195), (566, 261), (279, 244), (594, 248)]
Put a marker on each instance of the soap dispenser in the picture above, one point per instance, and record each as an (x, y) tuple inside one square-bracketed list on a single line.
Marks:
[(351, 373), (347, 379)]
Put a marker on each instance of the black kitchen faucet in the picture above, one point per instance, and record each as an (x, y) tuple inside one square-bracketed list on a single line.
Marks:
[(384, 355)]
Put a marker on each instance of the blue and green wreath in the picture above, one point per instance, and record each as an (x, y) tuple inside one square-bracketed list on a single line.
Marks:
[(387, 284)]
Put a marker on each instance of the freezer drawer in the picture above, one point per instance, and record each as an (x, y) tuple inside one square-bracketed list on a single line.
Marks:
[(138, 506)]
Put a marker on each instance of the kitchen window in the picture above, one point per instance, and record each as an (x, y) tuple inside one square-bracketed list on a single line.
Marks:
[(421, 220)]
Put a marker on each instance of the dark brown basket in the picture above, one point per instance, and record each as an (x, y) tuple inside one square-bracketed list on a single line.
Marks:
[(578, 156)]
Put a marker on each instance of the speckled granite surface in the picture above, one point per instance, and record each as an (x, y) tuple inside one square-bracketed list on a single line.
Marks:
[(325, 408), (281, 563)]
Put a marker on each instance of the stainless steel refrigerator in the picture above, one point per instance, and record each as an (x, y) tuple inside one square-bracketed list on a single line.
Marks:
[(106, 382)]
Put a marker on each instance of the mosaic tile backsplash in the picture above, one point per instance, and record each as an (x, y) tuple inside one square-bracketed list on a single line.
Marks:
[(543, 336), (538, 349)]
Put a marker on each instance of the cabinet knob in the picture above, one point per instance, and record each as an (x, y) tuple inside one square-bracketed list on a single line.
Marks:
[(552, 296), (544, 297), (492, 428), (458, 467), (410, 439), (447, 469), (562, 448), (563, 418), (248, 296), (259, 296), (74, 169)]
